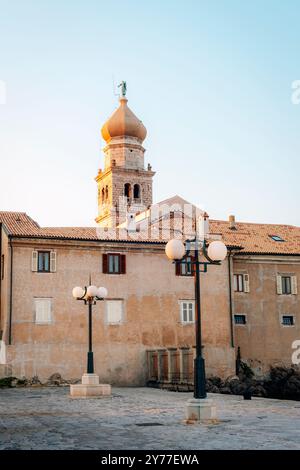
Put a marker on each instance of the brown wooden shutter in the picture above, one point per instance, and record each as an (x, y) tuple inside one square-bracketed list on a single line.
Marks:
[(123, 264), (105, 263), (177, 269), (193, 259)]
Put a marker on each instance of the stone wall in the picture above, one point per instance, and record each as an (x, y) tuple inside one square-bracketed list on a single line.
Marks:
[(264, 341), (124, 152), (151, 293), (5, 283)]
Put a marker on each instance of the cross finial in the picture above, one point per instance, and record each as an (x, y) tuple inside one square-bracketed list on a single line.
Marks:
[(123, 87)]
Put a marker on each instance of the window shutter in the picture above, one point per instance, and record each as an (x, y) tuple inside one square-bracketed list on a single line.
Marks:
[(105, 263), (123, 264), (43, 310), (53, 261), (279, 285), (177, 269), (34, 261), (246, 283), (193, 266), (114, 311), (294, 284), (183, 312), (191, 312)]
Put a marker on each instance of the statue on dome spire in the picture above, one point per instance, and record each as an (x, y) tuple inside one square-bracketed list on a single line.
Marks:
[(123, 87)]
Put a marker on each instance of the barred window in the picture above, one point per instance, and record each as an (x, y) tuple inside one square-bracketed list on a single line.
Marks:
[(287, 320), (240, 319)]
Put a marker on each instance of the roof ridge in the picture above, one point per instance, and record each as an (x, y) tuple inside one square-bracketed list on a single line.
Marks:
[(69, 227), (255, 223), (13, 212)]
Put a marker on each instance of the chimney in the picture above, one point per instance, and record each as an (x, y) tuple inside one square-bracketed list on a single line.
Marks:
[(232, 224)]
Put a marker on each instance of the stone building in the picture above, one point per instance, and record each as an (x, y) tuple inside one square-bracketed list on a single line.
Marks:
[(145, 328)]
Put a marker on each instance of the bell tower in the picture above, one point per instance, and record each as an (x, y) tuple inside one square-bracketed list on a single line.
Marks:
[(124, 185)]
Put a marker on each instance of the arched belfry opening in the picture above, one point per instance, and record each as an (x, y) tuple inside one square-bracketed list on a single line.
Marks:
[(127, 190), (136, 191)]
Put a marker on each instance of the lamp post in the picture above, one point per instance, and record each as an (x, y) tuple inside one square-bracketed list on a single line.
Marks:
[(90, 381), (214, 253), (90, 295)]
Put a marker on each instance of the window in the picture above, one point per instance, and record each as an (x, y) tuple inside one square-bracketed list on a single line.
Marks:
[(127, 190), (241, 283), (187, 311), (240, 319), (136, 191), (43, 311), (186, 268), (114, 311), (276, 238), (43, 261), (287, 320), (286, 284), (238, 282), (114, 263)]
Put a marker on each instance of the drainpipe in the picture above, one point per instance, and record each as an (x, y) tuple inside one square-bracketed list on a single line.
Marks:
[(230, 298), (10, 294)]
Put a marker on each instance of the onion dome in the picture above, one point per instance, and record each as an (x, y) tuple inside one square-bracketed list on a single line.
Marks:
[(123, 122)]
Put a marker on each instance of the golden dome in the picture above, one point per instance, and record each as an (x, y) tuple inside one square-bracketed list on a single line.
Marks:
[(123, 122)]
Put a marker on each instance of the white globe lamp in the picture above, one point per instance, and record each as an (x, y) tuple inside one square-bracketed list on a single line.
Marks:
[(217, 251), (102, 293), (92, 291), (78, 292), (175, 249)]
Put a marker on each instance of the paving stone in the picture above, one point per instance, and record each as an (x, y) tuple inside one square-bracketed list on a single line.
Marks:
[(50, 419)]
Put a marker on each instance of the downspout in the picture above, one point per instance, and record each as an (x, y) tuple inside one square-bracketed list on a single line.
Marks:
[(230, 298), (10, 294)]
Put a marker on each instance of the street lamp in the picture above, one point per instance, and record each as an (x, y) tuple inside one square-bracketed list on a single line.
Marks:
[(214, 253), (90, 295), (90, 386)]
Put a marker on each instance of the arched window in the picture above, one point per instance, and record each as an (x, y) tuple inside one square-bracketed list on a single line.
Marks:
[(102, 195), (106, 193), (136, 191), (127, 190)]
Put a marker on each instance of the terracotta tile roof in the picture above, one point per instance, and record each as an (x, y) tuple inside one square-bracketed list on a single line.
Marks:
[(19, 223), (78, 233), (253, 238), (256, 238)]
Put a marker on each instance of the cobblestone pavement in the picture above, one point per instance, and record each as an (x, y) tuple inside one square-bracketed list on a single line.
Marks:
[(141, 418)]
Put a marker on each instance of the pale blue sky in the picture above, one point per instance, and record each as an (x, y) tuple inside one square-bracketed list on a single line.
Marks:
[(211, 80)]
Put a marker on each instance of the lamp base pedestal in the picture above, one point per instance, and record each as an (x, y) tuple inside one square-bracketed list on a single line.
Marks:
[(200, 410), (90, 388)]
